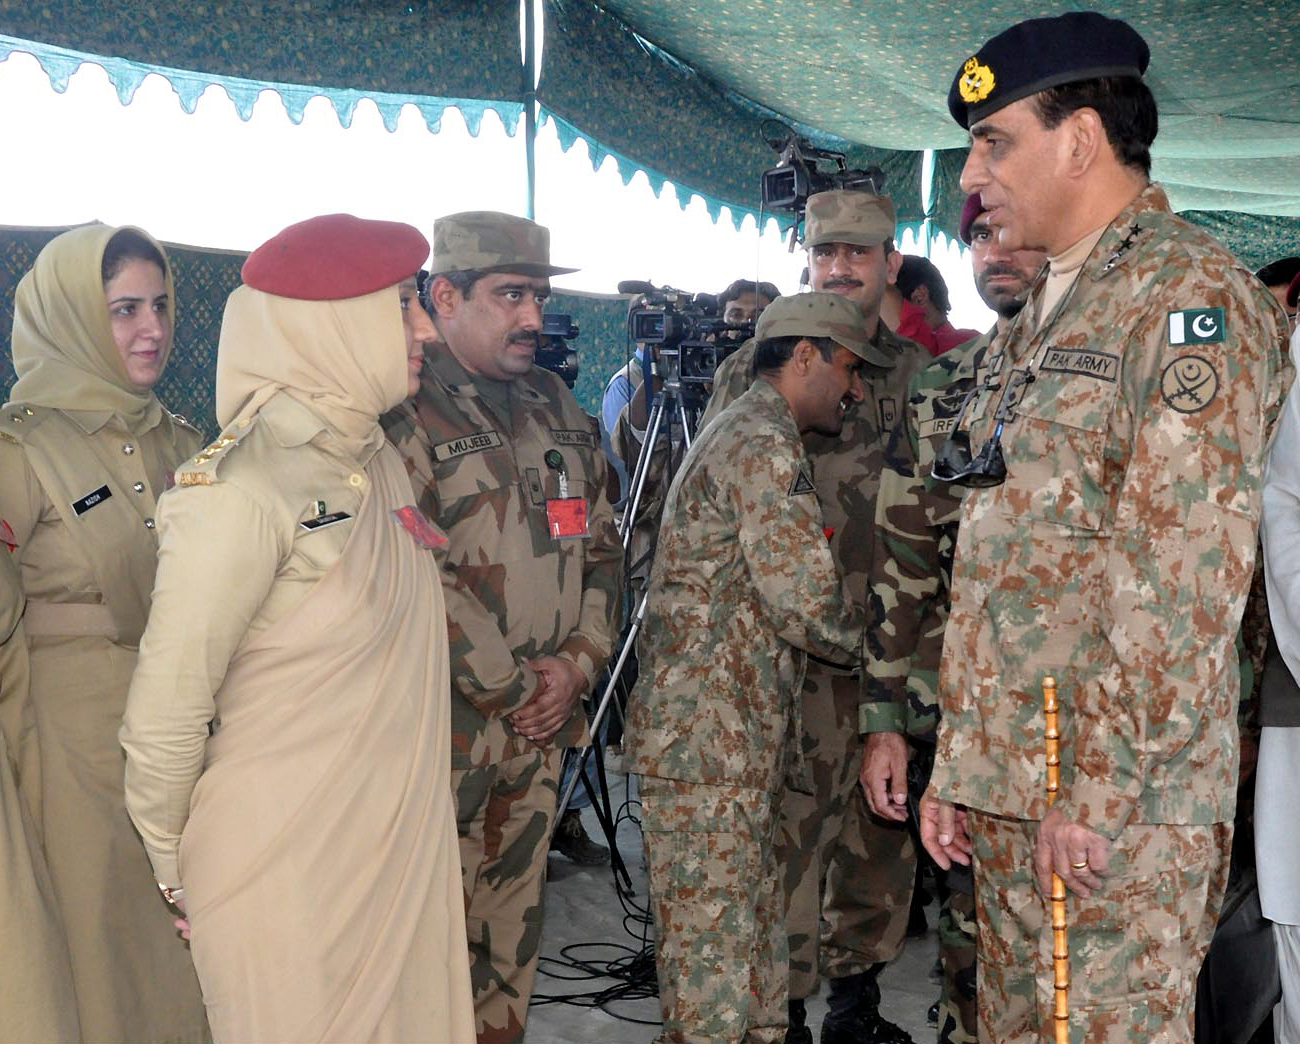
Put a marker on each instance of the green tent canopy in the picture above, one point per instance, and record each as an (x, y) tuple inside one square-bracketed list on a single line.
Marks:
[(680, 88)]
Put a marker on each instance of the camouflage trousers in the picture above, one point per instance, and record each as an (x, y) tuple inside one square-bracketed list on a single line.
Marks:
[(848, 875), (719, 933), (958, 1023), (1136, 946), (504, 815)]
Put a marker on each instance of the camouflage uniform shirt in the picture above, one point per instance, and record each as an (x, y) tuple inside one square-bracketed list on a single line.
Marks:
[(742, 584), (1118, 552), (911, 569), (513, 591), (845, 468)]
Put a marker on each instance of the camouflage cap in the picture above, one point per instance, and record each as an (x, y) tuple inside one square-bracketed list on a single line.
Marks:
[(820, 315), (848, 216), (488, 241)]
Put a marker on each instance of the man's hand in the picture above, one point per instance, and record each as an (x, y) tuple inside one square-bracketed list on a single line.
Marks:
[(884, 775), (943, 832), (1079, 856), (546, 711)]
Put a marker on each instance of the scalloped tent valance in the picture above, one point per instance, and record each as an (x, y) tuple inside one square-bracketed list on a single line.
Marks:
[(678, 88)]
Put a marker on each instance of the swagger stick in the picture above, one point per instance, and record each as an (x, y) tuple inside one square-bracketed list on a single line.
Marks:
[(1060, 941)]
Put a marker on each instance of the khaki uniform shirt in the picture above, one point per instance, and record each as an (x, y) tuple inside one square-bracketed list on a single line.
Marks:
[(255, 498), (79, 494), (1117, 554), (514, 592), (911, 570), (742, 585)]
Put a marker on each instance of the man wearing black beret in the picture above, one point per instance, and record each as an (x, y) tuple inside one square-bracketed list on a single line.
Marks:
[(1114, 459)]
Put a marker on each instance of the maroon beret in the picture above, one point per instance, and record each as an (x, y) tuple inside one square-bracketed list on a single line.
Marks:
[(1293, 291), (335, 256), (974, 208)]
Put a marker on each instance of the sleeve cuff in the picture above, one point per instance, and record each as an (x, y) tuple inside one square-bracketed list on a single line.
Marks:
[(880, 717), (574, 650), (165, 869), (1098, 806)]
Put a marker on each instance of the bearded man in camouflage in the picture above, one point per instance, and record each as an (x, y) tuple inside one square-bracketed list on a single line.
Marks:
[(508, 465), (916, 530), (1114, 453), (744, 586)]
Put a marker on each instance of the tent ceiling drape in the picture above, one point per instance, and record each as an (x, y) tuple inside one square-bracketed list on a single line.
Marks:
[(678, 87)]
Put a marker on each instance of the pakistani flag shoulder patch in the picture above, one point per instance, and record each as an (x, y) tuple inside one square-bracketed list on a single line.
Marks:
[(1197, 326)]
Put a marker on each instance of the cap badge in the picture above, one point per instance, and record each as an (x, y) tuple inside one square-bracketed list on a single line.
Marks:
[(976, 81)]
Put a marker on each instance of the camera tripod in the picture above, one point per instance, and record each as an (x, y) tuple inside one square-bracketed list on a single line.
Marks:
[(680, 404)]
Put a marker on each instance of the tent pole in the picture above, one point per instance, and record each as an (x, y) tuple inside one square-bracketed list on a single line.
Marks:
[(530, 108)]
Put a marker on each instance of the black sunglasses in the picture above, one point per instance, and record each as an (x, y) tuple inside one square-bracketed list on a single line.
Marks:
[(955, 463)]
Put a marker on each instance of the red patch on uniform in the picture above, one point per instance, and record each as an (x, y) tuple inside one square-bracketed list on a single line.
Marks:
[(828, 531), (7, 536), (414, 522)]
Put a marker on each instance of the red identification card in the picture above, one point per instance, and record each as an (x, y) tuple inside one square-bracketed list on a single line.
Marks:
[(566, 518), (414, 522)]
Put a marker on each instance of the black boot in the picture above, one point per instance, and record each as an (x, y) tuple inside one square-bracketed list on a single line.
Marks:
[(797, 1032), (853, 1015), (571, 840)]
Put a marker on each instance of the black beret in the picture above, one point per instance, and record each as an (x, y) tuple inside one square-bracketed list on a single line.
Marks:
[(1040, 53)]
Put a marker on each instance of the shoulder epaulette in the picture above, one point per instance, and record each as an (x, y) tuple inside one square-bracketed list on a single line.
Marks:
[(182, 422), (201, 469), (17, 418)]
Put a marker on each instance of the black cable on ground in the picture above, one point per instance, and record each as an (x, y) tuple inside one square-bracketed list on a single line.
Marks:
[(632, 969)]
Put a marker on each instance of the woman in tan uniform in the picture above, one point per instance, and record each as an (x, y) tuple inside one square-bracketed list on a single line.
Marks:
[(288, 728), (85, 451), (36, 998)]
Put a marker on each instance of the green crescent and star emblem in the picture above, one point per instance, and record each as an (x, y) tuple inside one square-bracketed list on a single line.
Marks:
[(1197, 326)]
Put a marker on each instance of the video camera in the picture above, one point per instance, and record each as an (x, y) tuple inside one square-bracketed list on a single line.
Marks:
[(687, 336), (797, 176), (554, 352)]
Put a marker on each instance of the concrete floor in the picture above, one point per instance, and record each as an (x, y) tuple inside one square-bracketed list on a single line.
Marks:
[(583, 907)]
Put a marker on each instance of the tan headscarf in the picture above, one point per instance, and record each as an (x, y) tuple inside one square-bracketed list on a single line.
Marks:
[(63, 347), (344, 360)]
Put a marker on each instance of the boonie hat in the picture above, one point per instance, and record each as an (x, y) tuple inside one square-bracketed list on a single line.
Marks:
[(488, 241), (1040, 53), (972, 209), (335, 256), (820, 314), (848, 216)]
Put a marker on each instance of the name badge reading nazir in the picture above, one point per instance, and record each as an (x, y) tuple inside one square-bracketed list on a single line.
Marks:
[(566, 518), (91, 500)]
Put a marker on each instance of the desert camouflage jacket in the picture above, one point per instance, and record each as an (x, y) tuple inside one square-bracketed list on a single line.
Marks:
[(845, 468), (911, 569), (1118, 552), (743, 583), (513, 591)]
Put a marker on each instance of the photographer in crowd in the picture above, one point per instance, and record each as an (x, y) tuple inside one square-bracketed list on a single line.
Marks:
[(743, 583), (828, 840)]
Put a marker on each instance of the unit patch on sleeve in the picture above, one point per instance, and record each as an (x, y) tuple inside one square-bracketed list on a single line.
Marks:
[(801, 484), (1189, 383), (1102, 365)]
